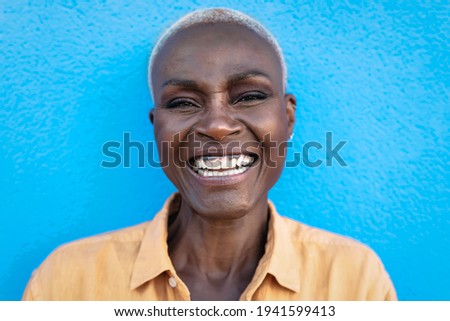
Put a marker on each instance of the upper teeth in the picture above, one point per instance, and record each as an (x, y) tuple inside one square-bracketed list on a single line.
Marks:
[(224, 162)]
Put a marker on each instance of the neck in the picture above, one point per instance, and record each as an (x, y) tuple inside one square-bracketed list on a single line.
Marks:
[(215, 250)]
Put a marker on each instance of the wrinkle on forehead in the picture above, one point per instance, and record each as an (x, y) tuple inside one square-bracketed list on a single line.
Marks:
[(230, 48)]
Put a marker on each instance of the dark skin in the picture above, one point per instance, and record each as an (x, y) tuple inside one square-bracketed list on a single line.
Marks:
[(216, 85)]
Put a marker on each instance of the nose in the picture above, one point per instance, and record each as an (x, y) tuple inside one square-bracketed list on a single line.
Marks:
[(218, 123)]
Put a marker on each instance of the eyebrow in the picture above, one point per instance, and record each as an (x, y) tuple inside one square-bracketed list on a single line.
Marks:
[(187, 83), (247, 74), (180, 83)]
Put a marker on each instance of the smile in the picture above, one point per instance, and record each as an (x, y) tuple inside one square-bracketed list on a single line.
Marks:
[(211, 166)]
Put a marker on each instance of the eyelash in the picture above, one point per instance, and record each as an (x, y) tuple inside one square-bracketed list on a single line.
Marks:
[(180, 103), (244, 98), (250, 97)]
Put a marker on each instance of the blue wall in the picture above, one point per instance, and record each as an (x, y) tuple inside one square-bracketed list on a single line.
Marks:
[(73, 76)]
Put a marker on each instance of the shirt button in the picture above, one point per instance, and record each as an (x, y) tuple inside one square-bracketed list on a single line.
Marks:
[(172, 282)]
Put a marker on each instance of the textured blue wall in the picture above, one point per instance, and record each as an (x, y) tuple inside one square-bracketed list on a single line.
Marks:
[(73, 76)]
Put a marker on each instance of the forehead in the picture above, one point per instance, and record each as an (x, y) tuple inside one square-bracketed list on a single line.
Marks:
[(215, 50)]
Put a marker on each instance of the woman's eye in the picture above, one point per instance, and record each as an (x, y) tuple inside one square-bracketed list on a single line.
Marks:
[(250, 97), (180, 103)]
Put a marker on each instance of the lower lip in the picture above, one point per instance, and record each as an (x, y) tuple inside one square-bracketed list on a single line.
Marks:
[(221, 180)]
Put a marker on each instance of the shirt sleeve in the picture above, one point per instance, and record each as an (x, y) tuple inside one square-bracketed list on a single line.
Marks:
[(391, 294), (382, 288), (29, 294), (46, 280)]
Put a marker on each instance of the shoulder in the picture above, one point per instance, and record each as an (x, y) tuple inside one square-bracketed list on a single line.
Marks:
[(330, 250), (346, 263), (76, 264), (90, 247), (301, 233)]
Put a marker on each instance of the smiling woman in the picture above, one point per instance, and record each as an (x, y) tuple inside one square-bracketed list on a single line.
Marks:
[(221, 121)]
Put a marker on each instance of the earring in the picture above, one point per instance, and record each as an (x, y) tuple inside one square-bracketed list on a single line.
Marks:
[(292, 136)]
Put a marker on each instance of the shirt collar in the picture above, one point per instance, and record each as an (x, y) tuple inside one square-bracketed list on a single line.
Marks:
[(153, 255), (280, 258)]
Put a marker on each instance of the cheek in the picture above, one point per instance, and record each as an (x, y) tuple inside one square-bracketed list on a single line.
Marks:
[(171, 133), (269, 124), (271, 129), (169, 127)]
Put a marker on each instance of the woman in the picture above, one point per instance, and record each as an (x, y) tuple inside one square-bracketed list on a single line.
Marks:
[(221, 120)]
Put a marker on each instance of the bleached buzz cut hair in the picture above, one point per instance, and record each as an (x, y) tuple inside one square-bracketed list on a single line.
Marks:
[(216, 15)]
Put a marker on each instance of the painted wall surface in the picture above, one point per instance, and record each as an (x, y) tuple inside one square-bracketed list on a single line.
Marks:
[(73, 77)]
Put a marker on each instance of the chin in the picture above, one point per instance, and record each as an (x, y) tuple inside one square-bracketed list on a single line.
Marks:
[(225, 205)]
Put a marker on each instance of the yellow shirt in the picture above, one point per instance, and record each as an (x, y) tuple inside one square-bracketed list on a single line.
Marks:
[(300, 263)]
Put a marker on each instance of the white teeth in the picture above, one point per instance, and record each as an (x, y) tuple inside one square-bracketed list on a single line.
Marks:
[(224, 162), (239, 160), (247, 160), (200, 164), (214, 164), (222, 166), (208, 173)]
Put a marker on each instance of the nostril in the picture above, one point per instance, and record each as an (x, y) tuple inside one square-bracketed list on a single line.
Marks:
[(218, 133), (219, 128)]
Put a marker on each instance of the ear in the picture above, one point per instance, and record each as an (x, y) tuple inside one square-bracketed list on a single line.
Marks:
[(151, 115), (291, 105)]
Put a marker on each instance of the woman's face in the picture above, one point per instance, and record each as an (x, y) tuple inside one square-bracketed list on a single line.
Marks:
[(221, 117)]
